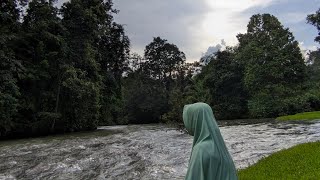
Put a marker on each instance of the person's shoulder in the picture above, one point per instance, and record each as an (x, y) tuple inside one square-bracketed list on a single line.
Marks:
[(203, 147), (206, 150)]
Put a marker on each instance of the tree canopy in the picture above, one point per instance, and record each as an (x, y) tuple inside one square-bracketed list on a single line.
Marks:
[(274, 67), (60, 68)]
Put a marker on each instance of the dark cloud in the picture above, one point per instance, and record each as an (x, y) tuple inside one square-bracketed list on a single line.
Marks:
[(195, 25), (177, 21)]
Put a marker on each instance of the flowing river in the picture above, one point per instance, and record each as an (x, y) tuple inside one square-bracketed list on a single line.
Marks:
[(140, 151)]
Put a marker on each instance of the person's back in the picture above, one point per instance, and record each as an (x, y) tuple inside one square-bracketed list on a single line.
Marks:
[(210, 158)]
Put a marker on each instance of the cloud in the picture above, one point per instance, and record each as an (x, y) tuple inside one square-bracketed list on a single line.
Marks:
[(306, 49), (226, 18), (295, 17), (59, 3), (211, 52), (192, 26), (292, 14), (178, 21), (196, 25), (215, 48)]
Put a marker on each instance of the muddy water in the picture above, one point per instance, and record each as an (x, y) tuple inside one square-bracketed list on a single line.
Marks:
[(140, 152)]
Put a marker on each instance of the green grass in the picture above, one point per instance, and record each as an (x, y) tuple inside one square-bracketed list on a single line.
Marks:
[(301, 116), (299, 162)]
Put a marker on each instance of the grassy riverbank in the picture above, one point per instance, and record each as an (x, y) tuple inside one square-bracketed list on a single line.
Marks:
[(299, 162), (301, 116)]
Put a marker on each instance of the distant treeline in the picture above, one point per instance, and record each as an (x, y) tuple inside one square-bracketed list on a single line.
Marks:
[(70, 69)]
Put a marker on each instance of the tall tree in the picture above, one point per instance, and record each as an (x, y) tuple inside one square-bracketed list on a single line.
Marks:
[(10, 67), (180, 95), (314, 19), (223, 77), (60, 68), (163, 58), (314, 56), (42, 50), (274, 67), (114, 49), (164, 63), (314, 66), (84, 21)]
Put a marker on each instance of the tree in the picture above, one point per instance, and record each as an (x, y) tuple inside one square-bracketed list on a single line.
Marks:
[(40, 49), (114, 49), (80, 102), (181, 94), (152, 82), (85, 22), (314, 66), (144, 99), (223, 77), (10, 66), (135, 63), (314, 19), (274, 67), (314, 56), (61, 69), (163, 58)]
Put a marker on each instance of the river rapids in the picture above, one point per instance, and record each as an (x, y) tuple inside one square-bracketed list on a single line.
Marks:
[(140, 151)]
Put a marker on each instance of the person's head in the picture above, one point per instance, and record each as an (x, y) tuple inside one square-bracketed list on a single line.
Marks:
[(198, 117)]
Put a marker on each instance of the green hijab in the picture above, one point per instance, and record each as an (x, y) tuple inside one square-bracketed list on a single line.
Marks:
[(210, 158)]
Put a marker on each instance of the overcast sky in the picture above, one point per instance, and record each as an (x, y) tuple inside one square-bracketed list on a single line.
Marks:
[(195, 25)]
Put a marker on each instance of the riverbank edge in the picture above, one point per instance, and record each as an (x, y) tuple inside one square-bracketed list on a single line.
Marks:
[(176, 125), (305, 116), (298, 162)]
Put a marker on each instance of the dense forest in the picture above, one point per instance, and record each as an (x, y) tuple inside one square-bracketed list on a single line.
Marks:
[(70, 69)]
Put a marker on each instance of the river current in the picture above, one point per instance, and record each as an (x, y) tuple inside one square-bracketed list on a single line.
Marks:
[(140, 151)]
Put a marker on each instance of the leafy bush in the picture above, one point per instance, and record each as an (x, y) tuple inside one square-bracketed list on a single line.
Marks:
[(313, 98), (47, 122), (80, 101), (264, 106), (145, 99)]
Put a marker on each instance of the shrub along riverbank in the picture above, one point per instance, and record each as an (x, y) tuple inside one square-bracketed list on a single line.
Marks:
[(299, 162), (301, 116)]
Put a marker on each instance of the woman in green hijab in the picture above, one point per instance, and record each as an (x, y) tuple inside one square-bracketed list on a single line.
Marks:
[(210, 158)]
